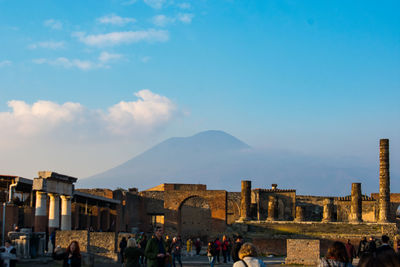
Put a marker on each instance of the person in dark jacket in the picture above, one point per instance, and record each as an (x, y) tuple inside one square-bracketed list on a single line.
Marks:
[(132, 254), (122, 247), (156, 249), (176, 248), (371, 246), (362, 247), (71, 257), (385, 245), (236, 248)]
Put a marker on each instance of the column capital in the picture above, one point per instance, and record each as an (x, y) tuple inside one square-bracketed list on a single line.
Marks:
[(53, 195), (65, 197)]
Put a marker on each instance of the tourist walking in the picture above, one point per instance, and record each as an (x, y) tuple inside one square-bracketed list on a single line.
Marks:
[(71, 257), (236, 247), (156, 250), (189, 245), (132, 253), (336, 256), (224, 247), (8, 255), (122, 247), (176, 248), (362, 247), (385, 245), (371, 246), (197, 245), (211, 253), (217, 245), (248, 257), (142, 245), (351, 251)]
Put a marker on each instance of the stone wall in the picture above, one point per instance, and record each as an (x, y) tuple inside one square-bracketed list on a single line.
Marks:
[(64, 238), (302, 251)]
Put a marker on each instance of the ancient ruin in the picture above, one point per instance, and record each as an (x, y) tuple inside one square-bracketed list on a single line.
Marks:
[(266, 216)]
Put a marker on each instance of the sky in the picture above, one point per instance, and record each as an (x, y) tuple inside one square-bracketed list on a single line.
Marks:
[(87, 85)]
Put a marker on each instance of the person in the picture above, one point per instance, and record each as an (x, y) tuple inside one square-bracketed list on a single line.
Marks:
[(224, 247), (132, 253), (351, 251), (71, 257), (217, 245), (176, 248), (336, 256), (248, 257), (156, 250), (229, 250), (168, 243), (236, 248), (189, 245), (9, 256), (371, 246), (142, 245), (53, 239), (384, 258), (211, 253), (122, 247), (385, 245), (362, 247), (197, 244)]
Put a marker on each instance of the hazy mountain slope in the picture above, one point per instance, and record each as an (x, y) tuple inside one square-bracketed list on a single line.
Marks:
[(220, 161)]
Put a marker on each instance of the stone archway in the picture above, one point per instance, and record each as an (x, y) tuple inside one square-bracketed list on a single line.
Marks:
[(194, 218)]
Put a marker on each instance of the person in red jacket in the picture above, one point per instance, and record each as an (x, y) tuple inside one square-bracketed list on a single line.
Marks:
[(224, 247), (217, 245)]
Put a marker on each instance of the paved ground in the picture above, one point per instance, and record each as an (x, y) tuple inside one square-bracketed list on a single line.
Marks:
[(194, 261)]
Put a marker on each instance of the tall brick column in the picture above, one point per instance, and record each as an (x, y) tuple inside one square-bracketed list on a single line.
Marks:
[(384, 181), (356, 203), (245, 200), (41, 212), (327, 215), (271, 208)]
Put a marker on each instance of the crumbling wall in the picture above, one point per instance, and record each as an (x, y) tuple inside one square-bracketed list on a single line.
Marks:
[(302, 251)]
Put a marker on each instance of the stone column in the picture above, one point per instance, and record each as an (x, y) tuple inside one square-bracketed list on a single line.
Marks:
[(65, 212), (271, 208), (299, 214), (245, 200), (41, 212), (356, 203), (384, 181), (327, 215), (54, 212)]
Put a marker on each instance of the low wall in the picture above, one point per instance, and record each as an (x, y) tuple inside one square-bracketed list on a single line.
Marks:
[(103, 245), (270, 237), (302, 251)]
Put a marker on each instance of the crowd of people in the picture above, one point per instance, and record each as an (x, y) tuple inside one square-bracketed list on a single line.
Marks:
[(166, 252)]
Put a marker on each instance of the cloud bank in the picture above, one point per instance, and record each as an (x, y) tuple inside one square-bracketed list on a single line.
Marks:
[(127, 118)]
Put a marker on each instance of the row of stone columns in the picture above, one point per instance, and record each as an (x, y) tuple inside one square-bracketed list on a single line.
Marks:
[(54, 212)]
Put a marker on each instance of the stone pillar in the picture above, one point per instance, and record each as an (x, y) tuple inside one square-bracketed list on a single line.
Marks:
[(41, 212), (245, 200), (65, 212), (299, 214), (384, 181), (271, 208), (356, 203), (327, 215), (54, 212)]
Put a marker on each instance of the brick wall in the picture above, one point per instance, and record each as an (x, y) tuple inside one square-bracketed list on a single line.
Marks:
[(302, 251)]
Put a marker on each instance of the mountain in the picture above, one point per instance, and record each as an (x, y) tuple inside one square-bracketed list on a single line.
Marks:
[(221, 161)]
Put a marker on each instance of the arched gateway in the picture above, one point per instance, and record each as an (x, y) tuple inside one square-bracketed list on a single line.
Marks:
[(194, 218)]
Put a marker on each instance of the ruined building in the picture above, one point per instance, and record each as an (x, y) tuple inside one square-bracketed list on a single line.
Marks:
[(50, 202)]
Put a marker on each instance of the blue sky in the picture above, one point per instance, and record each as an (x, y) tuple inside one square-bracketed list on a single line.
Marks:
[(315, 77)]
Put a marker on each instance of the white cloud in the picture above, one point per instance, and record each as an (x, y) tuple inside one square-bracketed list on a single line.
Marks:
[(156, 4), (53, 24), (145, 59), (162, 20), (148, 111), (186, 17), (106, 57), (46, 118), (127, 37), (47, 45), (184, 5), (5, 63), (69, 63), (115, 20)]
